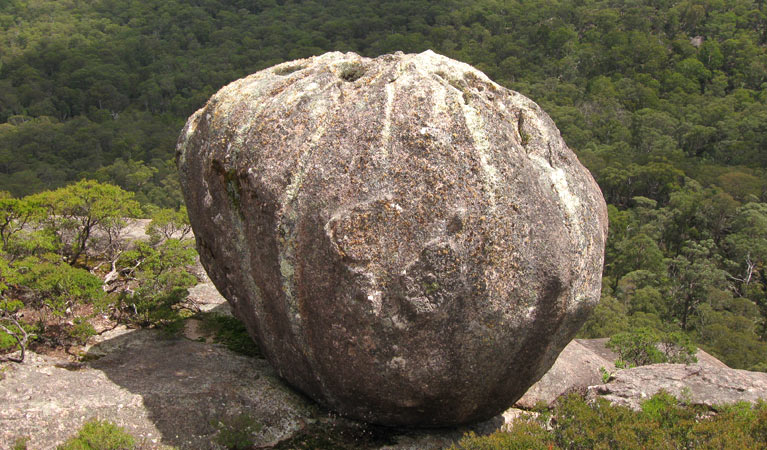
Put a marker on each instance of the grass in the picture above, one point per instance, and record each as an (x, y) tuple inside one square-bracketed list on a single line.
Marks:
[(100, 435)]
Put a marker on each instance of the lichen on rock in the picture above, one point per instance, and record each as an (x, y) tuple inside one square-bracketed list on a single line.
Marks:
[(409, 242)]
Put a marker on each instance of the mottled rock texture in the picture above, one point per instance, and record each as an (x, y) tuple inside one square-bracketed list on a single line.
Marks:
[(409, 242), (696, 384)]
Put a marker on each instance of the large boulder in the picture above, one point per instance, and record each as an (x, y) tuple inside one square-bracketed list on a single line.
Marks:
[(409, 242)]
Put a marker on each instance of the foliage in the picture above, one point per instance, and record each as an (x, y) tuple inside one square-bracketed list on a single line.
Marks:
[(231, 332), (81, 330), (162, 280), (20, 443), (168, 223), (99, 435), (664, 102), (524, 435), (73, 213), (662, 422), (14, 333), (645, 346), (58, 286)]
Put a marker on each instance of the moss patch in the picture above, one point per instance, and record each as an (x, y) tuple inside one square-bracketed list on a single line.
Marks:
[(231, 333)]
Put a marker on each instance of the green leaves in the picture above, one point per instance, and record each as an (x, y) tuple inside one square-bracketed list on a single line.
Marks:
[(162, 279), (645, 346), (77, 211), (58, 286)]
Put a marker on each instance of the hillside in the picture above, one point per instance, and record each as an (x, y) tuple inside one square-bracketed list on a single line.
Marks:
[(664, 101)]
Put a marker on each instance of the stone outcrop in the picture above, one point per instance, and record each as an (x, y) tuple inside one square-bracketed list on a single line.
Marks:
[(162, 391), (409, 242), (694, 384), (579, 367), (576, 368)]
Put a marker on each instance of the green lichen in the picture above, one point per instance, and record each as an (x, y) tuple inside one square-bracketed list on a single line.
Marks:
[(431, 288), (233, 188)]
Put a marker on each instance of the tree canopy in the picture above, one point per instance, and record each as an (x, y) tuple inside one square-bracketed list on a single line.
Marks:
[(665, 101)]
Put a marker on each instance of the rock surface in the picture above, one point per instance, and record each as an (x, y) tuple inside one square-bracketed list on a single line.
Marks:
[(694, 384), (409, 242), (163, 391), (576, 368), (173, 393)]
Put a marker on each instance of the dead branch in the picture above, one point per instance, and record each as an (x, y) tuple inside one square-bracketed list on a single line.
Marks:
[(21, 340)]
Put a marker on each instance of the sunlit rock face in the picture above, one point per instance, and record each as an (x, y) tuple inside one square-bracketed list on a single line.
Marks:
[(409, 242)]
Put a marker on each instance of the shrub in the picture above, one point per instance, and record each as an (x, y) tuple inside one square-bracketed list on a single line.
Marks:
[(524, 434), (645, 346), (662, 423), (58, 285), (162, 277), (99, 435), (81, 330)]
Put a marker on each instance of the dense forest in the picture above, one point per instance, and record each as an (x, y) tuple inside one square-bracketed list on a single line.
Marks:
[(665, 101)]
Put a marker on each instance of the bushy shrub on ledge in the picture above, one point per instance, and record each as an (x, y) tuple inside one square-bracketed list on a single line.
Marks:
[(663, 422)]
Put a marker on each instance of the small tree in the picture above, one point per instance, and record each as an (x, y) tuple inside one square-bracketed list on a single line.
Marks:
[(74, 212), (645, 346), (168, 223), (56, 285), (13, 335), (162, 279), (14, 215)]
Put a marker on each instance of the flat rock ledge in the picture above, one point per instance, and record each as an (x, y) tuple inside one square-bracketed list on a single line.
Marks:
[(171, 392), (694, 384), (165, 392), (581, 367)]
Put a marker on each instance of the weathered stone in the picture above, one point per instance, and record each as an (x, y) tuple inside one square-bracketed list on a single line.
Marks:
[(409, 242), (696, 384), (576, 368), (165, 392)]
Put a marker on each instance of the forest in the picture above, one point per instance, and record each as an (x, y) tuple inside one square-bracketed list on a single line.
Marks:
[(664, 101)]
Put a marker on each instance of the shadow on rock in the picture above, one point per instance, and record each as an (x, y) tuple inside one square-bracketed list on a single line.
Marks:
[(191, 391), (190, 388)]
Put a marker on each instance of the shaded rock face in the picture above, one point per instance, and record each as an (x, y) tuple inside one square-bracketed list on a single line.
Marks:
[(409, 242)]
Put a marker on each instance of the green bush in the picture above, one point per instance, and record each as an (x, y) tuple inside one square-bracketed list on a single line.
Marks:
[(525, 434), (20, 443), (645, 346), (162, 280), (99, 435), (662, 423), (58, 285), (81, 330)]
